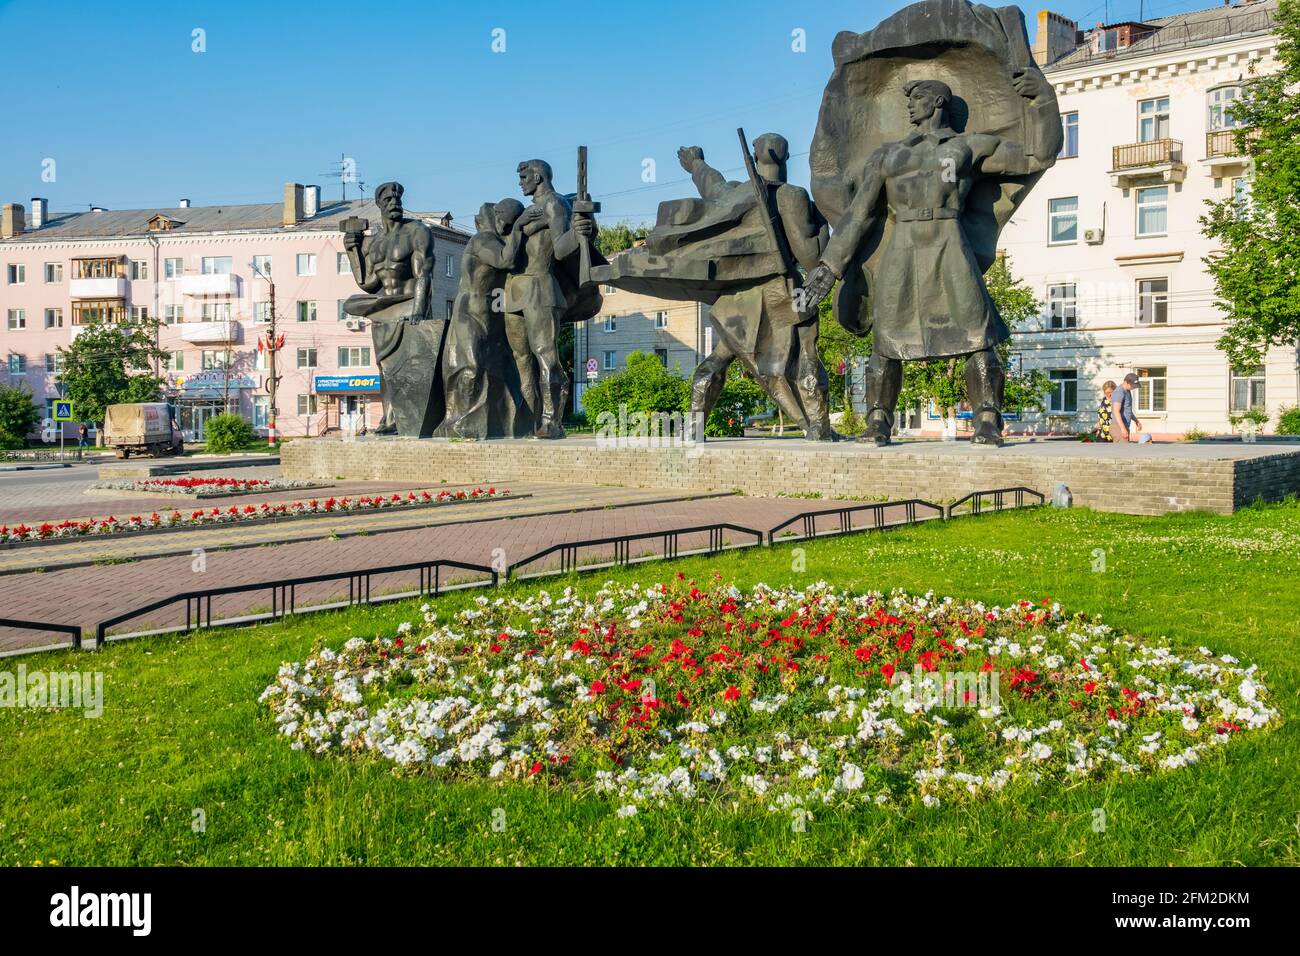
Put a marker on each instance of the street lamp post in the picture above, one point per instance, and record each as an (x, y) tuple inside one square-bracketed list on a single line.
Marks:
[(272, 346)]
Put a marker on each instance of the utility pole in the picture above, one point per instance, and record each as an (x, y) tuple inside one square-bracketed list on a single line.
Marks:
[(272, 347)]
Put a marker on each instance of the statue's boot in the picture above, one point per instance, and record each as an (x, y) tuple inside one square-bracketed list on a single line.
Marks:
[(880, 426), (985, 382)]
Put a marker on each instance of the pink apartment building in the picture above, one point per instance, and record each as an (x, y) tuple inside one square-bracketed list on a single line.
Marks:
[(205, 271)]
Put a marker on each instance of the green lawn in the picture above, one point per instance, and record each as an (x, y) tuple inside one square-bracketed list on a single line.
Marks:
[(182, 730)]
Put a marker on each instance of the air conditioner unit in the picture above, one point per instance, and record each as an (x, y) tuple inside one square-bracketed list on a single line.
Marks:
[(1094, 236), (355, 325)]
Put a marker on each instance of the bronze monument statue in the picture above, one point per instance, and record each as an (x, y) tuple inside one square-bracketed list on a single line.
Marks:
[(918, 201), (739, 248), (393, 266)]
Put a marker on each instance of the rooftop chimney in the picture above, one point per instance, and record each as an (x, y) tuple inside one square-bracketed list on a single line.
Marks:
[(1056, 37), (310, 201), (183, 204), (40, 212), (292, 204), (12, 215)]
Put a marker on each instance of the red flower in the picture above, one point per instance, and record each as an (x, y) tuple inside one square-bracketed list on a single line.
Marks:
[(888, 671), (597, 687), (1090, 687), (535, 768), (731, 693)]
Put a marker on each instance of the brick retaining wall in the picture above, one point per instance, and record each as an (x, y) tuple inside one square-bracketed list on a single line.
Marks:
[(1132, 480)]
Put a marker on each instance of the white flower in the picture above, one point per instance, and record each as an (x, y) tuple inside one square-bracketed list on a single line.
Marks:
[(627, 810), (851, 777)]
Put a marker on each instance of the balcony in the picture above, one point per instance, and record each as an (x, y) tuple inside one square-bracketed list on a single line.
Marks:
[(1159, 160), (209, 284), (1221, 153), (109, 287), (212, 333)]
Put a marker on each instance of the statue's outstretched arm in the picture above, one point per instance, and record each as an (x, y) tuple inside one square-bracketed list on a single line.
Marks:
[(857, 220)]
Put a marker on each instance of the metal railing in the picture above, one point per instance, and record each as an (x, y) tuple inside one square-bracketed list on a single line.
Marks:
[(1000, 499), (622, 557), (1155, 152), (284, 593), (70, 629), (284, 596), (844, 515), (1222, 143)]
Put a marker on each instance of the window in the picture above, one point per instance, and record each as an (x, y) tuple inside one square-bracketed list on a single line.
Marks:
[(1062, 306), (306, 404), (174, 361), (662, 356), (215, 312), (1063, 220), (53, 272), (1153, 211), (17, 273), (1153, 389), (344, 266), (610, 324), (1070, 142), (17, 364), (17, 320), (173, 314), (98, 310), (451, 267), (261, 410), (262, 266), (306, 264), (343, 315), (139, 314), (661, 320), (54, 318), (611, 361), (1153, 119), (451, 307), (261, 311), (607, 290), (1221, 102), (1063, 399), (1153, 302), (306, 311), (139, 269), (262, 360), (172, 268), (306, 358), (354, 356), (212, 359), (1246, 389), (53, 363), (217, 265)]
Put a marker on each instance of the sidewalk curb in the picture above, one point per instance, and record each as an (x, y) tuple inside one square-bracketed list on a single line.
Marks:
[(331, 534), (62, 464)]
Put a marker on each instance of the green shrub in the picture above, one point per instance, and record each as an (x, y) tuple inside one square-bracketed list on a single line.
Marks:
[(740, 398), (645, 385), (226, 433), (1195, 433), (1288, 420), (851, 423), (18, 416)]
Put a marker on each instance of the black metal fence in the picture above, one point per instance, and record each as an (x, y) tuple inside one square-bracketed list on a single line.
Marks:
[(614, 551), (70, 629), (283, 596), (999, 499), (670, 546), (844, 517)]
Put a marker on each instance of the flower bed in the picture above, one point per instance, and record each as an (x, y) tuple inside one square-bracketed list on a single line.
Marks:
[(202, 487), (792, 698), (49, 531)]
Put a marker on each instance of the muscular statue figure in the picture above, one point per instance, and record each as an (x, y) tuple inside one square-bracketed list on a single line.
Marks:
[(482, 399), (760, 324), (393, 266), (535, 301), (930, 300)]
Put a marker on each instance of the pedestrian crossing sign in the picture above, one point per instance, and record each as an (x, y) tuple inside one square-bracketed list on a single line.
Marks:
[(63, 411)]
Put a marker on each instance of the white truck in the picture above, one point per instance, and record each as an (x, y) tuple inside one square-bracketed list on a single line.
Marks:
[(142, 427)]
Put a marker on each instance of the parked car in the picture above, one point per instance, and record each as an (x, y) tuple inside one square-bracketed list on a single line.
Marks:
[(142, 428)]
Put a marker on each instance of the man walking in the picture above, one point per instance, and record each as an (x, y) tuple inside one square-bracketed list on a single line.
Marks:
[(1122, 422)]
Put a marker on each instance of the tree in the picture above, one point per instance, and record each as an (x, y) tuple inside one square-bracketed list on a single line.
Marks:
[(943, 381), (620, 236), (18, 416), (109, 363), (838, 348), (1257, 274)]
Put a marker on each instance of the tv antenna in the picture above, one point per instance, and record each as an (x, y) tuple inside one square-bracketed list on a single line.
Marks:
[(345, 171)]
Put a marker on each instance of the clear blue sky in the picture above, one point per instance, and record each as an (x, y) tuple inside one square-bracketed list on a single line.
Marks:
[(413, 91)]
